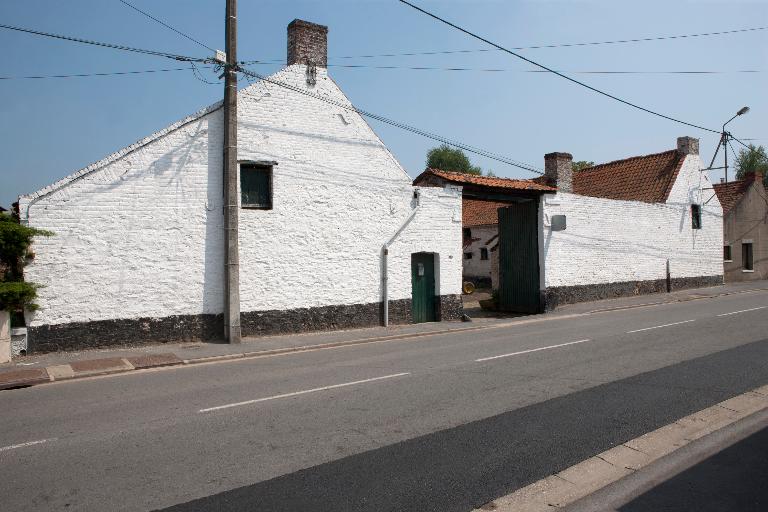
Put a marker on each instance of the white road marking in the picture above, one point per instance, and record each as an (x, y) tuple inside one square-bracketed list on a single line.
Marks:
[(22, 445), (296, 393), (660, 326), (743, 311), (529, 351)]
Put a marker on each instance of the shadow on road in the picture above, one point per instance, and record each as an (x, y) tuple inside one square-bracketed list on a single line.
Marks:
[(733, 479)]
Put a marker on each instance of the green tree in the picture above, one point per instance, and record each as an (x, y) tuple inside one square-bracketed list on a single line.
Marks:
[(447, 158), (15, 240), (753, 159), (581, 164)]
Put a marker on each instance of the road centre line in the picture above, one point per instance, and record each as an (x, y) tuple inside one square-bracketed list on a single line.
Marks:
[(296, 393), (23, 445), (530, 350), (743, 311), (660, 326)]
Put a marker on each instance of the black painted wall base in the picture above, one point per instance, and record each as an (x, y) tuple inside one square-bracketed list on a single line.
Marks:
[(124, 332), (556, 296), (143, 331)]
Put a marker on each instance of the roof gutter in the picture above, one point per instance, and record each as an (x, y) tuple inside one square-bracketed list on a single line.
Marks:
[(385, 254)]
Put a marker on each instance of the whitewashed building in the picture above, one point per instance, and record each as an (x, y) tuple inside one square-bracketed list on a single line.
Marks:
[(639, 225), (138, 251)]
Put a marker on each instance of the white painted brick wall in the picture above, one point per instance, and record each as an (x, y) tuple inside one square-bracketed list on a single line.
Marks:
[(614, 241), (140, 234), (476, 267)]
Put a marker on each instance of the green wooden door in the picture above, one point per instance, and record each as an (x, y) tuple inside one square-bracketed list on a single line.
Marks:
[(423, 287), (519, 258)]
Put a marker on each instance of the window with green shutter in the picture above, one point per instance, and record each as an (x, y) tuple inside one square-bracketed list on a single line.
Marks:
[(256, 186)]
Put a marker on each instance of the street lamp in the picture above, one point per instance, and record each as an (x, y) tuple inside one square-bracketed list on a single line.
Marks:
[(724, 137)]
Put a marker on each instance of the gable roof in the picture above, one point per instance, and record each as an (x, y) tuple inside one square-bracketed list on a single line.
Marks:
[(476, 212), (648, 178), (461, 178), (731, 193)]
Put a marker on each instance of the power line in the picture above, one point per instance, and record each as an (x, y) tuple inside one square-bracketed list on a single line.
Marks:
[(82, 75), (403, 126), (594, 89), (544, 46), (501, 70), (156, 53), (197, 74), (558, 45), (166, 25)]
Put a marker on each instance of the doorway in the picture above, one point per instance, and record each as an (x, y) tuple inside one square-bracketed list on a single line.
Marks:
[(423, 287)]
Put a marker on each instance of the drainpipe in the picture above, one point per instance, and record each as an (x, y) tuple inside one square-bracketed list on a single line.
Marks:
[(385, 254)]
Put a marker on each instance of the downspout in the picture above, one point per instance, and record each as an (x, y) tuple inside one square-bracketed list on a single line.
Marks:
[(385, 254)]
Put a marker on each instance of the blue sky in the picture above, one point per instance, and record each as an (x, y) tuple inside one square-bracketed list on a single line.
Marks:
[(51, 128)]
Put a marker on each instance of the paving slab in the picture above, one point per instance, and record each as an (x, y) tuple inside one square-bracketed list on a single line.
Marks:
[(536, 497), (26, 377), (707, 421), (60, 372), (154, 360), (662, 441), (592, 474), (626, 457), (746, 403), (100, 366)]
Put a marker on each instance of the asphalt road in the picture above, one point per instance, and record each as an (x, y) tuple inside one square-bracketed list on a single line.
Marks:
[(436, 423)]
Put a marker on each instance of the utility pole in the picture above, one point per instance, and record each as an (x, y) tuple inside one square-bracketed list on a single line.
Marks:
[(725, 153), (232, 257)]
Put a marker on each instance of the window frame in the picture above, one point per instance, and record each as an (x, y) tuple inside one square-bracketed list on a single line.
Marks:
[(696, 220), (747, 256), (728, 253), (484, 253), (266, 167), (468, 255)]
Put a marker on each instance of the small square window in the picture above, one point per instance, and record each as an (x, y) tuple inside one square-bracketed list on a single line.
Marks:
[(256, 186), (467, 233), (727, 254), (747, 261), (695, 216), (467, 255), (483, 253)]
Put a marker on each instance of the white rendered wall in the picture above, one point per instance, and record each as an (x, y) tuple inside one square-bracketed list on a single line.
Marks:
[(609, 241), (140, 234)]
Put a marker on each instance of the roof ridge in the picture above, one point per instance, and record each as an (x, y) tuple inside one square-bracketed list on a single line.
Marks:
[(462, 173), (622, 160)]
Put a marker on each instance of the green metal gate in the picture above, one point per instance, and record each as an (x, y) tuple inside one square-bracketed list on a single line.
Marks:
[(519, 258), (423, 287)]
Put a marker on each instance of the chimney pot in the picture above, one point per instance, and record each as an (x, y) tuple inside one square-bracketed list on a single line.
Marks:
[(687, 146), (558, 168), (307, 43)]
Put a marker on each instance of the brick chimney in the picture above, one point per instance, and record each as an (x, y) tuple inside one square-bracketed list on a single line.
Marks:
[(687, 146), (558, 168), (307, 43)]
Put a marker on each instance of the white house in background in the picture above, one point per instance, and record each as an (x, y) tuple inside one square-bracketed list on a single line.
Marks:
[(480, 237), (138, 251), (633, 226)]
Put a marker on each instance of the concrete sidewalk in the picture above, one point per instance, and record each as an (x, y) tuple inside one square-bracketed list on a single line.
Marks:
[(43, 368)]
